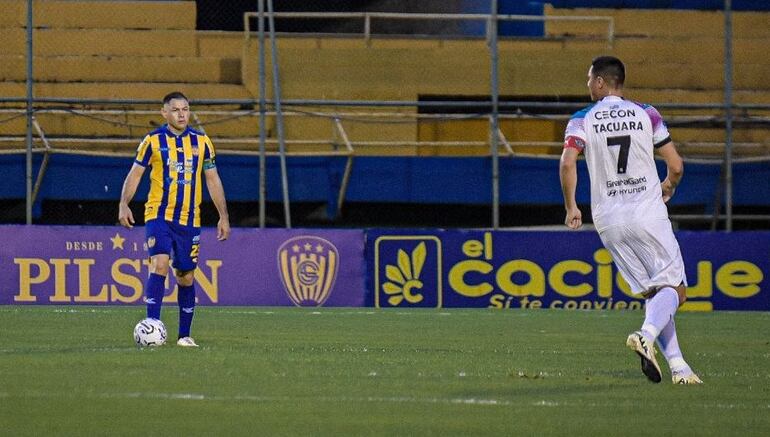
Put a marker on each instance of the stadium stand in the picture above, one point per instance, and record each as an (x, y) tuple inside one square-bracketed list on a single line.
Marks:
[(121, 50), (110, 50)]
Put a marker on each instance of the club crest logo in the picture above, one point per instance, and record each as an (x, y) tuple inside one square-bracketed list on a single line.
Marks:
[(407, 271), (308, 267)]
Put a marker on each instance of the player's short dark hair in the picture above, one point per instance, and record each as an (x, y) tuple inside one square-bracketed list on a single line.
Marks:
[(610, 68), (175, 95)]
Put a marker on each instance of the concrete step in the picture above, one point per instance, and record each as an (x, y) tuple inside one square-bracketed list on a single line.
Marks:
[(126, 90), (123, 69), (678, 95), (698, 51), (657, 22), (101, 42), (115, 123), (346, 68), (100, 14), (220, 44)]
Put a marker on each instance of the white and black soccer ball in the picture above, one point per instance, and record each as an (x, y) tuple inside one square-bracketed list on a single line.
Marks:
[(150, 332)]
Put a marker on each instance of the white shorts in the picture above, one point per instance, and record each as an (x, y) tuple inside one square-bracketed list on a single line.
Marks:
[(646, 253)]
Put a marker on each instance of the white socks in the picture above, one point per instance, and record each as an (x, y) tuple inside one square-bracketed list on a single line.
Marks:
[(669, 346), (659, 324), (659, 311)]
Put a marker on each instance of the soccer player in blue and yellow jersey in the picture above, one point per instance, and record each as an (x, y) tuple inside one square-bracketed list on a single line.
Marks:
[(178, 156)]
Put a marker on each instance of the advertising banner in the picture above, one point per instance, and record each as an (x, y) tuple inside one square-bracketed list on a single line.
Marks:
[(109, 265), (561, 270)]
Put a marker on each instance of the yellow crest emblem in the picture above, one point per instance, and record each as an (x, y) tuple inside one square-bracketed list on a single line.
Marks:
[(308, 267)]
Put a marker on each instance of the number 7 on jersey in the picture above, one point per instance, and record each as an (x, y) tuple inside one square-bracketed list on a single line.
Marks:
[(625, 144)]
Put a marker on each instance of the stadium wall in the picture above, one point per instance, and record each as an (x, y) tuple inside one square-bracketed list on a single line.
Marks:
[(437, 180), (49, 265)]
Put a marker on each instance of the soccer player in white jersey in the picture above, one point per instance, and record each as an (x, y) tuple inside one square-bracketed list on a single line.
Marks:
[(618, 138)]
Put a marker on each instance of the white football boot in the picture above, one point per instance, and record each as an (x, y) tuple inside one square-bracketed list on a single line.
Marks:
[(646, 351), (685, 379), (186, 342)]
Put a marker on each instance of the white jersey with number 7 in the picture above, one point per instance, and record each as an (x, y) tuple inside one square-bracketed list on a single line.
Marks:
[(618, 138)]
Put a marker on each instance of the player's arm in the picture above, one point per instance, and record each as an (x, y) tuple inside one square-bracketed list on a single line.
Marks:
[(130, 185), (675, 169), (217, 193), (568, 176)]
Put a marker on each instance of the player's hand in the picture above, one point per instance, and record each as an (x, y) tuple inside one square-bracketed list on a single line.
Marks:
[(574, 219), (668, 190), (223, 229), (125, 216)]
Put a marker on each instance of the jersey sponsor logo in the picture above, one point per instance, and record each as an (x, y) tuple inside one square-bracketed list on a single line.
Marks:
[(407, 271), (185, 166), (308, 267), (628, 181), (613, 112), (627, 186)]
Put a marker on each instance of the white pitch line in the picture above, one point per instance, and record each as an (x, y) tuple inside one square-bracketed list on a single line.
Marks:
[(372, 399)]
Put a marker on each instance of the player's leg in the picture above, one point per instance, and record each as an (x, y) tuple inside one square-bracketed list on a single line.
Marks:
[(155, 288), (667, 267), (659, 312), (186, 246), (186, 305), (660, 253), (159, 248), (620, 242), (681, 373)]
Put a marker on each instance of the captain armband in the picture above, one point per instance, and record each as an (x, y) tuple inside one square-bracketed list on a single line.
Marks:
[(209, 164), (575, 143)]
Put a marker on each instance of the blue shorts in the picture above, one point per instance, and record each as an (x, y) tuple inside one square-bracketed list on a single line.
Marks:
[(163, 237)]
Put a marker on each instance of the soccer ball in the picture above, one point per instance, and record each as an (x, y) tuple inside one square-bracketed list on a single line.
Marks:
[(150, 332)]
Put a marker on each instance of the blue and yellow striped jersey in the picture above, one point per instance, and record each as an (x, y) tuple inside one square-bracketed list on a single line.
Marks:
[(177, 163)]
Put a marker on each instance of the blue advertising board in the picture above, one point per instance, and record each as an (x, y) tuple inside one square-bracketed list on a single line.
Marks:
[(560, 270)]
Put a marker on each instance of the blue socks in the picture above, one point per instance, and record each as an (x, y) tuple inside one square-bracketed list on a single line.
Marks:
[(156, 287), (186, 309)]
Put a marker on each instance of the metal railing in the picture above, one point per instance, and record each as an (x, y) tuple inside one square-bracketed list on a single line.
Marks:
[(341, 145)]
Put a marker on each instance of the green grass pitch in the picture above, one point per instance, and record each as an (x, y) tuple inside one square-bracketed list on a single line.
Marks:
[(294, 371)]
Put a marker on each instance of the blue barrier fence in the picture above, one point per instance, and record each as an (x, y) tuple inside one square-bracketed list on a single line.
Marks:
[(441, 180)]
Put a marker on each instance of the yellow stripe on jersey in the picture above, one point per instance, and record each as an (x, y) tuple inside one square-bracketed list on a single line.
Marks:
[(155, 197), (202, 144), (173, 176), (187, 176)]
